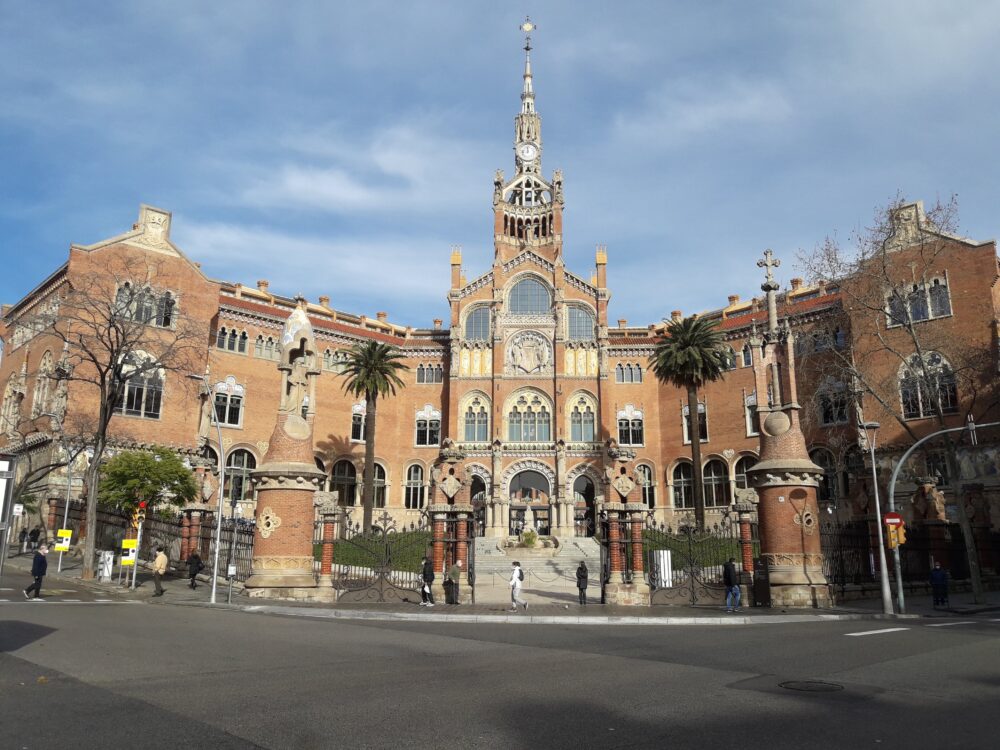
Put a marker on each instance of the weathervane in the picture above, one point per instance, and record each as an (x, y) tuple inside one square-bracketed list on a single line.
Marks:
[(527, 27)]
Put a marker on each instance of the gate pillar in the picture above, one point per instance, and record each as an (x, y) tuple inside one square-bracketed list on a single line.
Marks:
[(439, 524), (330, 516), (635, 513), (744, 513), (185, 536), (624, 529)]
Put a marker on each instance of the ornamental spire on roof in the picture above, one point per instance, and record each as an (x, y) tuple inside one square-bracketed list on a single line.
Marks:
[(527, 124), (528, 92)]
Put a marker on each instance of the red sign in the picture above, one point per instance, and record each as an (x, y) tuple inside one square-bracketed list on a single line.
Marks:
[(893, 519)]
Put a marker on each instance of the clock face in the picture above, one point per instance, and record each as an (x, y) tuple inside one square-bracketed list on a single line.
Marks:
[(527, 151)]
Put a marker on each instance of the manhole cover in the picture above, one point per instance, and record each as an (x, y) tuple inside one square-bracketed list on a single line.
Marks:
[(811, 686)]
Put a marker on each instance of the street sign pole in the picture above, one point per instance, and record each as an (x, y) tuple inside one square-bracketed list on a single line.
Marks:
[(135, 563)]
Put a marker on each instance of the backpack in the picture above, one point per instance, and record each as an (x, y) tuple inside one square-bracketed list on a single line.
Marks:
[(520, 574)]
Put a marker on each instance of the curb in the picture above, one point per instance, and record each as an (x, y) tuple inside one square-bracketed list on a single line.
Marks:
[(370, 615)]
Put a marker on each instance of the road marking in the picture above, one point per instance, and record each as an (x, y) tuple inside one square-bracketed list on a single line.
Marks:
[(878, 632), (949, 624), (71, 600), (4, 600)]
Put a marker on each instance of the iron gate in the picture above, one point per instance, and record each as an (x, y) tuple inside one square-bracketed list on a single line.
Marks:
[(691, 573), (382, 565)]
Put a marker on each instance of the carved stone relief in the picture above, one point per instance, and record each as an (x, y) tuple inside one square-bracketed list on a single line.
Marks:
[(528, 352)]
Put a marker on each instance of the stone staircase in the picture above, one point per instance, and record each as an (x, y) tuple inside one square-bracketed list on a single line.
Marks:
[(553, 574)]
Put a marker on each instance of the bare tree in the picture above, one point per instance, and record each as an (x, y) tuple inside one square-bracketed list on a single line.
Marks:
[(882, 348), (122, 332)]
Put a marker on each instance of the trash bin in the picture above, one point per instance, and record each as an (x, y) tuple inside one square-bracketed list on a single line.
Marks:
[(105, 566), (449, 592)]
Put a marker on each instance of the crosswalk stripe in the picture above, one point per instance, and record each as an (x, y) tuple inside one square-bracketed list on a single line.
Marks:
[(877, 632), (949, 624)]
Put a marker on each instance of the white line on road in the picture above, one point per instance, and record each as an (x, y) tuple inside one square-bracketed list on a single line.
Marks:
[(949, 624), (877, 632), (71, 600)]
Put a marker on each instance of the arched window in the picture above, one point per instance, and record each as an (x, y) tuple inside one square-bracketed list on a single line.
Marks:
[(832, 403), (43, 385), (477, 421), (827, 494), (630, 427), (358, 422), (421, 375), (379, 483), (742, 467), (142, 396), (645, 475), (242, 345), (414, 496), (927, 384), (729, 358), (229, 402), (619, 373), (580, 324), (428, 426), (165, 310), (529, 420), (750, 413), (917, 302), (477, 324), (344, 482), (702, 423), (11, 405), (239, 464), (636, 374), (221, 336), (530, 297), (582, 421), (716, 484), (683, 486), (940, 301), (258, 346), (747, 355)]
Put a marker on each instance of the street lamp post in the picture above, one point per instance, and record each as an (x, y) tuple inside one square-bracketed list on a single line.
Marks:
[(222, 484), (869, 429), (69, 478)]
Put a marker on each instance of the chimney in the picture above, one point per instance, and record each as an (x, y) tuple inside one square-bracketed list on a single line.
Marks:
[(733, 299), (381, 316), (262, 285), (796, 284), (622, 322), (437, 324), (324, 300), (676, 315)]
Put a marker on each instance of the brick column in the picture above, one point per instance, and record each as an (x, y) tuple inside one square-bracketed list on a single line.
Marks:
[(462, 537), (194, 541), (185, 535), (54, 517), (746, 537), (330, 518), (616, 562), (635, 512), (439, 516)]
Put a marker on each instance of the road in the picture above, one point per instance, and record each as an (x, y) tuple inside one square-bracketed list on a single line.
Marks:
[(101, 675)]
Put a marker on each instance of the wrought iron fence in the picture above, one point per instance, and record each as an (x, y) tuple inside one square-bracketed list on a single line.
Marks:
[(849, 554)]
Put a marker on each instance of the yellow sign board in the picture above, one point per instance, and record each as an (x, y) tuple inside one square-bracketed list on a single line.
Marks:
[(129, 551), (64, 537)]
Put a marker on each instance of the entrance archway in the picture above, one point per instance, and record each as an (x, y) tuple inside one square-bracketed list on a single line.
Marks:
[(584, 495), (529, 489), (478, 494)]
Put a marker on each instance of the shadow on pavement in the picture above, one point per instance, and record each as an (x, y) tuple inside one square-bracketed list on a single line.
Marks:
[(16, 634)]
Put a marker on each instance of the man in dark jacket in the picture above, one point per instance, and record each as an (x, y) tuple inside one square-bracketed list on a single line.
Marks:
[(427, 578), (195, 566), (939, 585), (732, 581), (39, 566), (581, 581)]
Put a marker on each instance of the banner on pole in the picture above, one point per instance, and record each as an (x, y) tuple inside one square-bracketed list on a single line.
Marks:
[(129, 551), (63, 539)]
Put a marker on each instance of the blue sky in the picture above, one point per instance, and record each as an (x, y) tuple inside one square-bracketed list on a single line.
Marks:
[(342, 148)]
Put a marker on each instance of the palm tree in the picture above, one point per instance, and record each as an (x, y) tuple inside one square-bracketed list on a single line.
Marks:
[(372, 371), (689, 355)]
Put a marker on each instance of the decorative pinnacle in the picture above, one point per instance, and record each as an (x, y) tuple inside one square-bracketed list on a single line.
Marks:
[(769, 262), (527, 27)]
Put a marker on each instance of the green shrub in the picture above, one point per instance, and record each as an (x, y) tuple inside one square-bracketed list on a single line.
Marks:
[(529, 538)]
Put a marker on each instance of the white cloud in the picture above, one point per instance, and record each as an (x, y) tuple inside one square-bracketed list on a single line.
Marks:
[(678, 111)]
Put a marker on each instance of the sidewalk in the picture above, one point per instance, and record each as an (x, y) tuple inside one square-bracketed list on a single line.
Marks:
[(541, 610)]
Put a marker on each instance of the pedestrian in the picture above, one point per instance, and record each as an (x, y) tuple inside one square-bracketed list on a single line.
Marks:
[(195, 566), (39, 565), (731, 578), (455, 576), (516, 579), (426, 579), (22, 540), (939, 585), (581, 582), (33, 537), (159, 568)]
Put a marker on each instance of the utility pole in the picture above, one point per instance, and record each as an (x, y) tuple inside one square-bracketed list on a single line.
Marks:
[(869, 429)]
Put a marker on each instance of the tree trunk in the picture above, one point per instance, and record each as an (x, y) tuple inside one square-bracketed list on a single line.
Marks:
[(368, 478), (694, 432), (90, 540), (971, 552)]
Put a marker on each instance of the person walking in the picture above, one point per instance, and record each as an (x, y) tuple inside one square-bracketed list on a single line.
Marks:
[(455, 576), (939, 585), (39, 566), (427, 578), (33, 537), (159, 568), (581, 582), (731, 579), (195, 566), (516, 579), (22, 540)]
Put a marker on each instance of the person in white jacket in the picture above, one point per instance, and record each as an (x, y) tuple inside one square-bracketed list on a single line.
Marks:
[(516, 579)]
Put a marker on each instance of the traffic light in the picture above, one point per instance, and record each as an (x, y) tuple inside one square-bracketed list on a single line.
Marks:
[(892, 535), (901, 534), (140, 513)]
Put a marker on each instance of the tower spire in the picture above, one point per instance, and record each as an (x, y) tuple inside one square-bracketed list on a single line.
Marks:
[(528, 92), (527, 124)]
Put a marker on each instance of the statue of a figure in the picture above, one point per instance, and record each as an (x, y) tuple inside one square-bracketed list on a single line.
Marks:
[(297, 389)]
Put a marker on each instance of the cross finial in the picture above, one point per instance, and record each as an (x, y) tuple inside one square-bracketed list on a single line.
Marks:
[(769, 262), (527, 27)]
